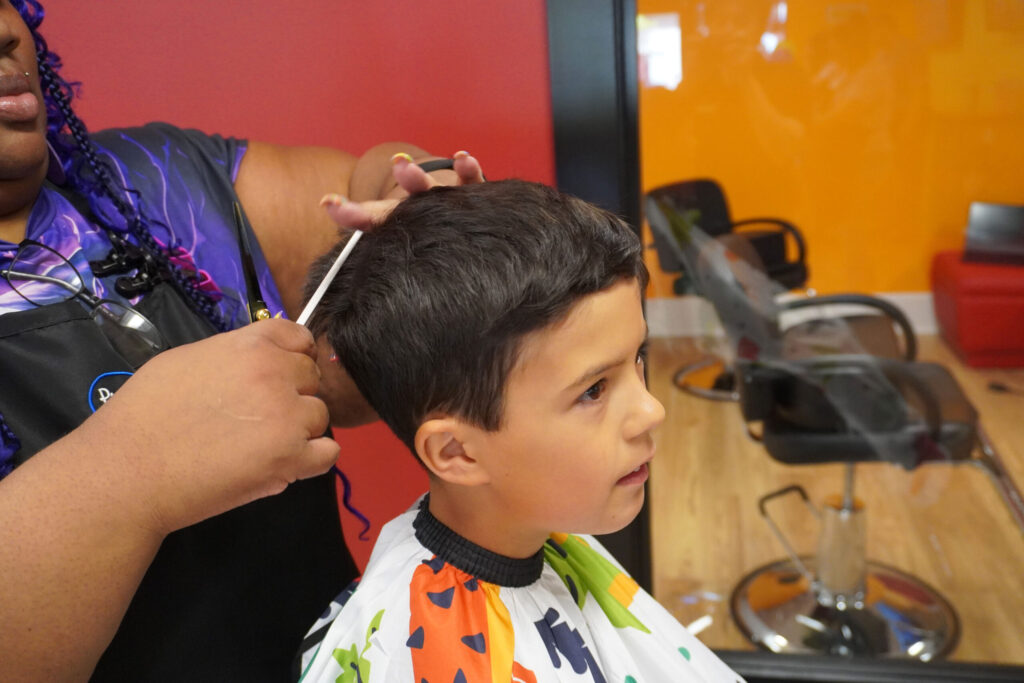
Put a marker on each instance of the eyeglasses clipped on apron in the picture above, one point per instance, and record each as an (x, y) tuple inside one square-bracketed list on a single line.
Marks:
[(41, 276)]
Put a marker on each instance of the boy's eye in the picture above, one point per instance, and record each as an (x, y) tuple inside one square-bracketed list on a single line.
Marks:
[(641, 358), (594, 392), (641, 354)]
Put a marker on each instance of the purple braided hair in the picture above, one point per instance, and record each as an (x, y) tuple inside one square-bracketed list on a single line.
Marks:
[(70, 139), (9, 445)]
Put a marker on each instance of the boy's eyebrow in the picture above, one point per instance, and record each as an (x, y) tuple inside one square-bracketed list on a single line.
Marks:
[(594, 372), (604, 367)]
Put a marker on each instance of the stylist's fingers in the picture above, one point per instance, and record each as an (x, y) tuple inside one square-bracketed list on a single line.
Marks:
[(320, 452), (411, 179), (305, 374), (468, 168), (296, 339), (410, 176), (285, 334), (319, 455), (356, 215)]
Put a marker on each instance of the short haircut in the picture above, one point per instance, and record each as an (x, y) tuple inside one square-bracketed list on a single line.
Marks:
[(428, 313)]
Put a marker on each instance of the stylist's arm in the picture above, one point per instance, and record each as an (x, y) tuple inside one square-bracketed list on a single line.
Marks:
[(199, 430)]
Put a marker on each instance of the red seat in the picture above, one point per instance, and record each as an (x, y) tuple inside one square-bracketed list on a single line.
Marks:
[(980, 309)]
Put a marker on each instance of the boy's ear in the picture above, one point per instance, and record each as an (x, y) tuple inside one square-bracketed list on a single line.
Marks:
[(444, 445)]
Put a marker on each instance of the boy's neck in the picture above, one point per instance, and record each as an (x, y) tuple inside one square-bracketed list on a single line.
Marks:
[(468, 512)]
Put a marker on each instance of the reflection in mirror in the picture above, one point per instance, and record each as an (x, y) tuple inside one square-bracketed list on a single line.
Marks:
[(854, 122)]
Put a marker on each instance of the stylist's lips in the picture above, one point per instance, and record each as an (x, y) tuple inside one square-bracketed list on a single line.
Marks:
[(17, 101)]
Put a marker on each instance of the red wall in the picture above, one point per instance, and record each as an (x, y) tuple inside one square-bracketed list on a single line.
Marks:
[(445, 75)]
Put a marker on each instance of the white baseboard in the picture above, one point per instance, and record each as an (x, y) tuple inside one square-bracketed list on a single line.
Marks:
[(691, 316)]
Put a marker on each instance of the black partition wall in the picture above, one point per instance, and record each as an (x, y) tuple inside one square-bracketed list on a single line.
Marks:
[(593, 98), (594, 95)]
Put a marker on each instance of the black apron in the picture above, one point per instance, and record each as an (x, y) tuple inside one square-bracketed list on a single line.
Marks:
[(228, 599)]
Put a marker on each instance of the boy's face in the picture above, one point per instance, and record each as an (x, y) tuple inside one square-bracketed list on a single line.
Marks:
[(572, 451)]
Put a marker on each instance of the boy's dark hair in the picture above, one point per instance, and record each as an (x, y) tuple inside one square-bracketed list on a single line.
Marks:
[(428, 312)]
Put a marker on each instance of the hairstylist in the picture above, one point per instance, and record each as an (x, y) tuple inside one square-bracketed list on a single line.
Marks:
[(165, 521)]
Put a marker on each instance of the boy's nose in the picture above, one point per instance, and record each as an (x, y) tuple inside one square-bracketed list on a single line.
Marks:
[(646, 416)]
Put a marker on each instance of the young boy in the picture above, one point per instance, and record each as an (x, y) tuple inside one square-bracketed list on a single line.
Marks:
[(498, 330)]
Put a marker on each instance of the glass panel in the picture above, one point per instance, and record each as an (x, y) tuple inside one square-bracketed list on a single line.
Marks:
[(871, 126)]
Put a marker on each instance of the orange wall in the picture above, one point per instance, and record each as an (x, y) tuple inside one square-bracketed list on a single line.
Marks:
[(447, 76), (872, 126)]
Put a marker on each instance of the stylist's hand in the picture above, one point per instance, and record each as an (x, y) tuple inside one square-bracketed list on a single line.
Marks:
[(410, 179), (216, 424)]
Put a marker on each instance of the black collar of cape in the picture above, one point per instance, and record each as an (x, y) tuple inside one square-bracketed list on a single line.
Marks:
[(467, 556)]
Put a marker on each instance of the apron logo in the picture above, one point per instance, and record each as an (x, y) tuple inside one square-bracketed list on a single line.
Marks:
[(104, 386)]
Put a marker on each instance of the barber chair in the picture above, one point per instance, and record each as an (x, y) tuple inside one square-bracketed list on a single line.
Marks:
[(821, 396), (703, 201), (850, 409), (876, 324)]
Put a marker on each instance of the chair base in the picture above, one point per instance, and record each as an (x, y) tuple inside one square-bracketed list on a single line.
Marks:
[(777, 608), (708, 377)]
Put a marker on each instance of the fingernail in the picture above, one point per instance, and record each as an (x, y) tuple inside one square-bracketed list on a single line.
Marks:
[(461, 154), (333, 200), (401, 155)]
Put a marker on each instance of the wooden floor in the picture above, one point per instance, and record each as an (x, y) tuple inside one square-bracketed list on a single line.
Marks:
[(944, 524)]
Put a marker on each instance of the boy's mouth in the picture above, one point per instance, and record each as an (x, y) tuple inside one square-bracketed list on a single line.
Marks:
[(637, 476)]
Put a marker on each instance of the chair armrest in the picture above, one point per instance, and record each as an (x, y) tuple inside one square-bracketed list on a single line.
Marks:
[(889, 309), (786, 227)]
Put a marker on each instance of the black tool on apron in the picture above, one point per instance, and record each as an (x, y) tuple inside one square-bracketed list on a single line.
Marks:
[(255, 304)]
